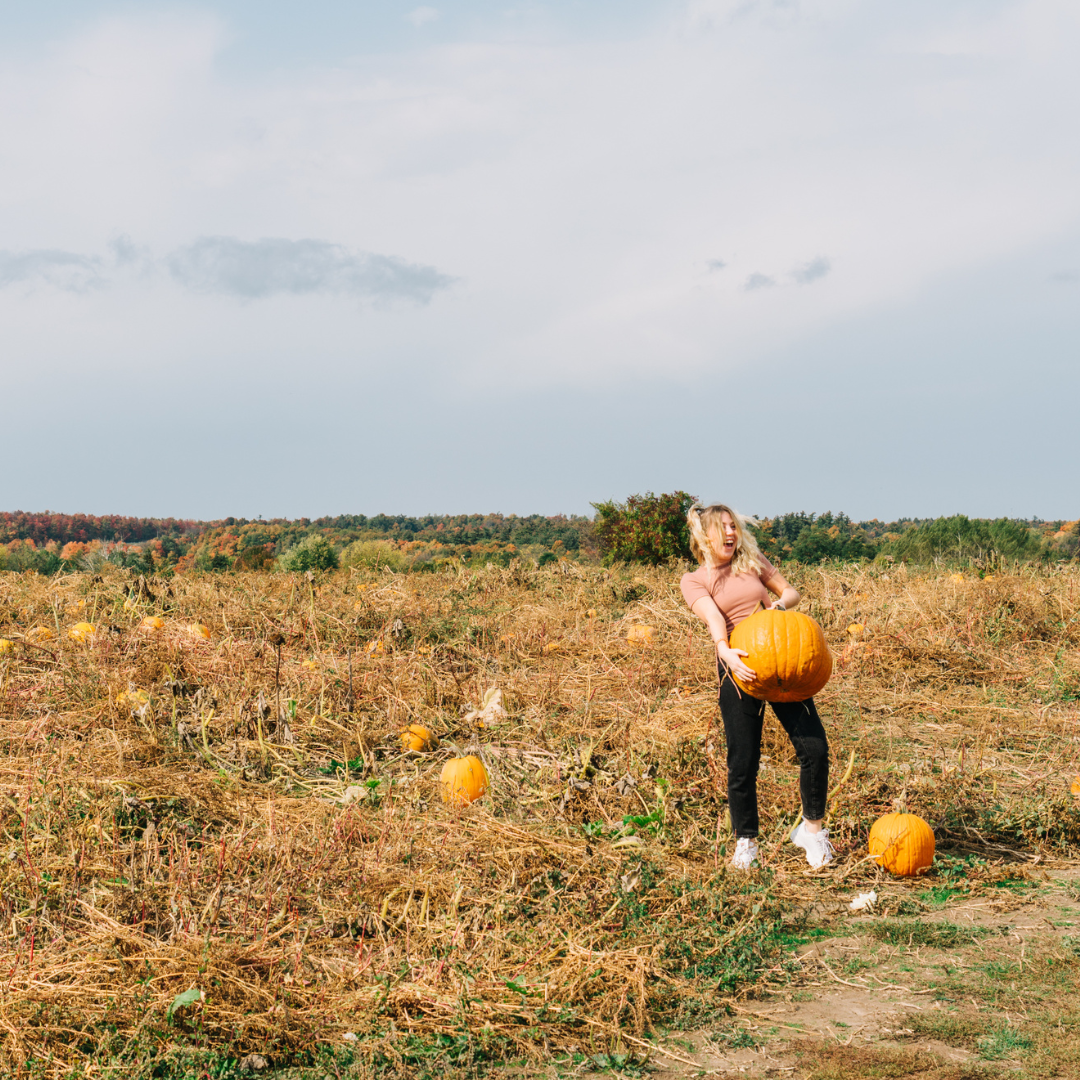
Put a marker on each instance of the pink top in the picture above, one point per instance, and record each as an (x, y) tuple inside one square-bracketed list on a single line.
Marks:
[(736, 595)]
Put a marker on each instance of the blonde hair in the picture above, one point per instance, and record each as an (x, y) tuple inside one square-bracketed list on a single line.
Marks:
[(703, 520)]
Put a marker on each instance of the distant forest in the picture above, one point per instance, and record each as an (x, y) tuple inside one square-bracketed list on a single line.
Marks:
[(49, 542)]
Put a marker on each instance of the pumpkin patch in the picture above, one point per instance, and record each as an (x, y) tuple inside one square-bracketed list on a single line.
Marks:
[(176, 800)]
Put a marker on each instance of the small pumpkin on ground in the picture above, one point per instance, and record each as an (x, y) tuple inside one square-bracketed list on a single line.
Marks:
[(788, 651), (153, 623), (463, 780), (902, 842), (82, 631), (418, 738), (200, 630)]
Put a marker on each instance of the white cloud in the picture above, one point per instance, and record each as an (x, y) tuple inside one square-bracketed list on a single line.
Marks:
[(226, 266), (65, 270), (758, 281), (421, 16), (814, 270), (255, 269)]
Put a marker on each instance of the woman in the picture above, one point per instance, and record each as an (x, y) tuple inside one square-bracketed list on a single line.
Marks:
[(735, 579)]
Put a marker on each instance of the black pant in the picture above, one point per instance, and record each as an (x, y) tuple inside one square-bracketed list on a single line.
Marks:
[(743, 718)]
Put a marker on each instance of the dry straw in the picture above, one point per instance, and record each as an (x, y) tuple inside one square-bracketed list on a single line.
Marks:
[(234, 817)]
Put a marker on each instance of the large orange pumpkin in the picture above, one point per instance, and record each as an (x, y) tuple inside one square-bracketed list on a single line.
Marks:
[(463, 780), (787, 649), (903, 843)]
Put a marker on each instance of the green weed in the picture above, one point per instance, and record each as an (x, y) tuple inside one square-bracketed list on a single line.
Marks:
[(937, 935), (1005, 1042)]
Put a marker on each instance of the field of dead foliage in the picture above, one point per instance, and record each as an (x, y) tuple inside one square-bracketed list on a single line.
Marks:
[(213, 846)]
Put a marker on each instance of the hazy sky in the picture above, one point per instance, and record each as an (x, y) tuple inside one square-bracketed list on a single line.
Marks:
[(296, 259)]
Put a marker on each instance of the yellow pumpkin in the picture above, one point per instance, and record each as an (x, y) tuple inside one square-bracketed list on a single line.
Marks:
[(200, 631), (417, 737), (39, 633), (153, 623), (788, 652), (6, 646), (463, 780), (902, 843), (82, 631), (640, 635)]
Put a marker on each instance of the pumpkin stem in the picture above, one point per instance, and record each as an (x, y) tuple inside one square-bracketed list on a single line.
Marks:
[(901, 802)]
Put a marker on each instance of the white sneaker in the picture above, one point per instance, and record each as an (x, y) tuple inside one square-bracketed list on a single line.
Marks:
[(819, 852), (746, 853)]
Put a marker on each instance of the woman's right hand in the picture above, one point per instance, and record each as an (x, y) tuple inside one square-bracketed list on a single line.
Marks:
[(732, 659)]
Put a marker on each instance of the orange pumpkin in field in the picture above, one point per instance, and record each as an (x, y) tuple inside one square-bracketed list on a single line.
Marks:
[(903, 843), (418, 738), (463, 780), (82, 632), (787, 649)]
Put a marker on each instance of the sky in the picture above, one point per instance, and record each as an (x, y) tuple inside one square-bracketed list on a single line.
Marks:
[(304, 259)]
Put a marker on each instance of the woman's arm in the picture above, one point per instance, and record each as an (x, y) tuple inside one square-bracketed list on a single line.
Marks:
[(787, 596), (705, 609)]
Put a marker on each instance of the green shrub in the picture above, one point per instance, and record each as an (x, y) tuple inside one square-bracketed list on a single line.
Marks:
[(646, 528), (314, 552), (374, 555)]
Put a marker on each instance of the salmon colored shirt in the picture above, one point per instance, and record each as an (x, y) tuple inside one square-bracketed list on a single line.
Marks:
[(736, 595)]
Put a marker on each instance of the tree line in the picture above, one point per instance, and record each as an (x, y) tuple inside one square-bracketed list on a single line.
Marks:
[(647, 528)]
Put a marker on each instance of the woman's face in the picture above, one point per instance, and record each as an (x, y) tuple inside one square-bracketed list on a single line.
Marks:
[(724, 539)]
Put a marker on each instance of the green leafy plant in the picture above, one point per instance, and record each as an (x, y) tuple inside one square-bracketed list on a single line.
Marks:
[(645, 529), (188, 997), (314, 552), (374, 555)]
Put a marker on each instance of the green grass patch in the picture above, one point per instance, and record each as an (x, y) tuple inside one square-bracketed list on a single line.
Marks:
[(935, 935), (1003, 1042)]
